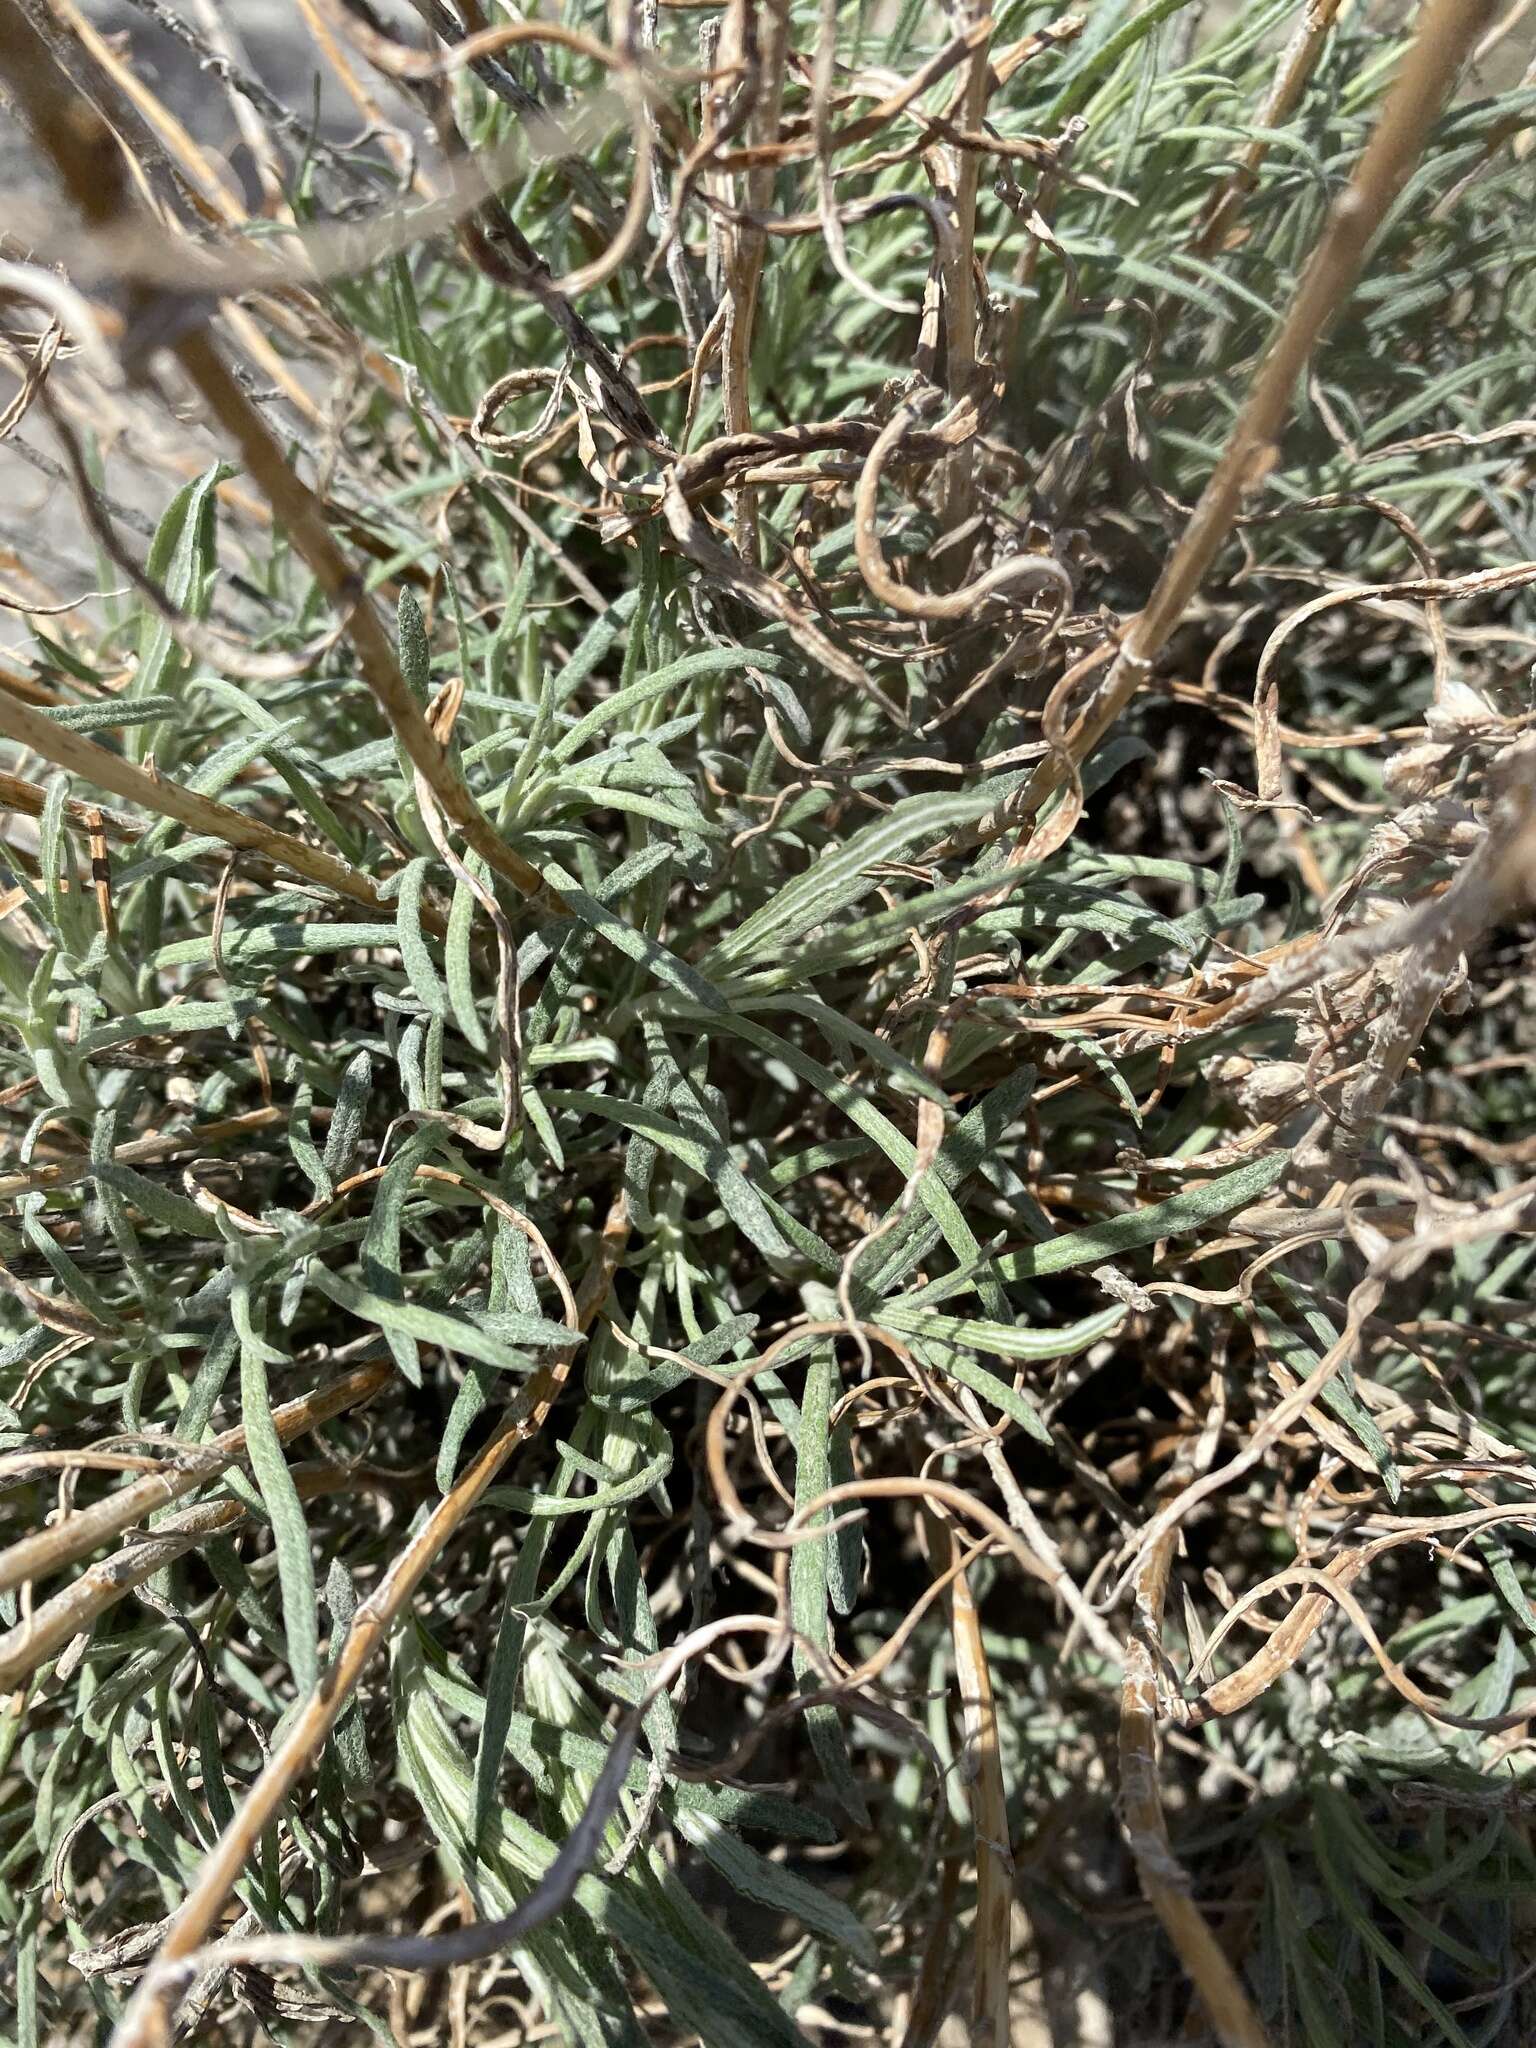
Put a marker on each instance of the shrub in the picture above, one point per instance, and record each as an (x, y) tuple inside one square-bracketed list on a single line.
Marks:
[(768, 1032)]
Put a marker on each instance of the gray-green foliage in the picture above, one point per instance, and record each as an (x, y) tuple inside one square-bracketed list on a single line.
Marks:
[(729, 1032)]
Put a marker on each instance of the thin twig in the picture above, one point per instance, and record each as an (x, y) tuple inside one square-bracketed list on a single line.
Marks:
[(148, 2020), (103, 769), (1445, 34), (1298, 61), (1163, 1878), (57, 117), (47, 1629), (989, 1811), (960, 173), (51, 1550)]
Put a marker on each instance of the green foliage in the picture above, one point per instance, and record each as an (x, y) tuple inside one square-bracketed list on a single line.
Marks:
[(250, 1121)]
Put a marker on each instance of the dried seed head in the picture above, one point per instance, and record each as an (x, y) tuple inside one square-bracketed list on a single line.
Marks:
[(1416, 770)]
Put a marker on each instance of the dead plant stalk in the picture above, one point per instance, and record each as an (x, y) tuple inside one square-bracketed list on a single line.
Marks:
[(148, 2020), (71, 136), (1444, 38)]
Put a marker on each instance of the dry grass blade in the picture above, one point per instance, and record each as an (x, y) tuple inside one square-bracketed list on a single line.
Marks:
[(62, 124), (961, 173), (70, 1613), (102, 769), (301, 513), (992, 1934), (1297, 63)]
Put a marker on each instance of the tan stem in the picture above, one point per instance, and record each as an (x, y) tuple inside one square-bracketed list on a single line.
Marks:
[(746, 246), (1163, 1881), (302, 515), (47, 1630), (72, 136), (1297, 63), (148, 2020), (989, 1815), (103, 769), (1446, 33), (962, 173), (50, 1550)]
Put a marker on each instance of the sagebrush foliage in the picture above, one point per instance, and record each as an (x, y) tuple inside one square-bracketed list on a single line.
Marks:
[(798, 1036)]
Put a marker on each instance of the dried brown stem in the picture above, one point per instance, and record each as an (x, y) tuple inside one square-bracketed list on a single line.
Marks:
[(959, 177), (47, 1629), (301, 513), (51, 1550), (1163, 1878), (764, 594), (141, 1151), (756, 37), (1274, 1657), (410, 66), (1297, 63), (17, 794), (955, 605), (989, 1814), (1332, 1587), (1445, 34), (148, 2020), (103, 769), (802, 1525), (1499, 876), (67, 131)]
